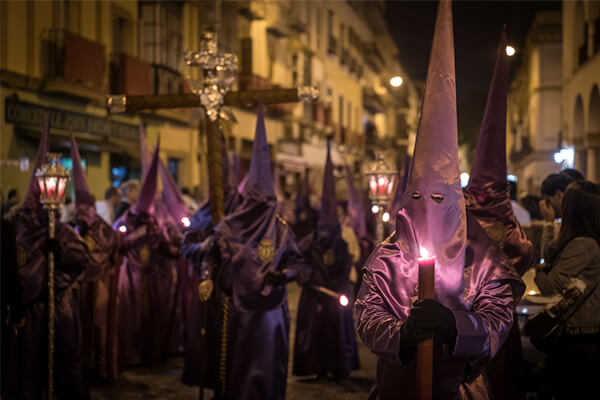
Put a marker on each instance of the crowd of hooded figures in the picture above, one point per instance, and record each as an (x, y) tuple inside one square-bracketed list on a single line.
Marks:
[(149, 286)]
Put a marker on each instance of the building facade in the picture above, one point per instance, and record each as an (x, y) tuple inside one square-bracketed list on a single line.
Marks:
[(65, 56), (534, 104), (581, 83)]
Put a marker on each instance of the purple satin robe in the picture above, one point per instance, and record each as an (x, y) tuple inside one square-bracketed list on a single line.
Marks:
[(484, 315), (27, 370), (145, 290), (98, 294)]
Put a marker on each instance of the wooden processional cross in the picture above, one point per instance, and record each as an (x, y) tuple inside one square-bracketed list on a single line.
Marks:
[(233, 98)]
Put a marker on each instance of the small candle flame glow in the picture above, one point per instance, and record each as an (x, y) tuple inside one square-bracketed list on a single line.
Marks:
[(424, 252), (122, 229), (344, 300), (185, 221), (532, 292)]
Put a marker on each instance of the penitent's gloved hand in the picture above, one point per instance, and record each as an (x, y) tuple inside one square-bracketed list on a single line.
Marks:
[(410, 335), (276, 278), (430, 315)]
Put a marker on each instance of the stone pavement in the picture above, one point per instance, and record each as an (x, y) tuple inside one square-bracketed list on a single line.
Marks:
[(163, 382)]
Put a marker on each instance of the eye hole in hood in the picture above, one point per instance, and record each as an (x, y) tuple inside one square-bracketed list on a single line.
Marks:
[(416, 195), (438, 198)]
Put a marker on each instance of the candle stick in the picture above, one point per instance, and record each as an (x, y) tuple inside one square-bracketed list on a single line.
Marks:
[(426, 290)]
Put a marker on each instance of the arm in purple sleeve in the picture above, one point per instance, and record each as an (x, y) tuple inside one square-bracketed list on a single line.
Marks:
[(482, 331), (377, 327)]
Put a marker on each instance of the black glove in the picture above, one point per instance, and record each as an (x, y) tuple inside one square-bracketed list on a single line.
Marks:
[(410, 335), (430, 315), (277, 278)]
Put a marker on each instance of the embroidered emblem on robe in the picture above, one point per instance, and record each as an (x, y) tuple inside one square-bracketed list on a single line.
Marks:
[(266, 251)]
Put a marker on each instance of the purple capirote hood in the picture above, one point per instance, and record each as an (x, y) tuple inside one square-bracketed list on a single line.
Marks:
[(328, 212), (433, 198), (32, 197), (83, 197), (145, 203), (259, 181)]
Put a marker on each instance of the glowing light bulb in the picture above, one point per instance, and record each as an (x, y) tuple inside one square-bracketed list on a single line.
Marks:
[(510, 50), (122, 229), (464, 179), (532, 292), (381, 181), (375, 209), (524, 310), (396, 81), (385, 217), (344, 300), (185, 221)]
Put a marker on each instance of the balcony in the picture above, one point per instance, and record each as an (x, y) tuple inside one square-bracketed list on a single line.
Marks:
[(165, 80), (72, 64), (332, 46), (345, 57), (130, 75)]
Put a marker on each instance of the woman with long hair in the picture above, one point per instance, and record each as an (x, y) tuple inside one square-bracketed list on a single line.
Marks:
[(575, 365)]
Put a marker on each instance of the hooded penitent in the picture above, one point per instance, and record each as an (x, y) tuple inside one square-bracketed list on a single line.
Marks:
[(98, 291), (253, 244), (488, 192), (305, 216), (488, 199), (401, 184), (27, 365), (474, 281), (322, 323), (145, 286)]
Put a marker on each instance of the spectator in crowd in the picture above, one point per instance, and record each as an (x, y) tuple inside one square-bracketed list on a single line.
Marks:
[(574, 367), (521, 213), (573, 174), (189, 201), (130, 190), (534, 231), (553, 188), (12, 202), (67, 212), (531, 203), (106, 208)]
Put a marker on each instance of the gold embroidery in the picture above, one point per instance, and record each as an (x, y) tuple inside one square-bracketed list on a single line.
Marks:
[(497, 232), (145, 254), (329, 258), (21, 256), (266, 251), (89, 241)]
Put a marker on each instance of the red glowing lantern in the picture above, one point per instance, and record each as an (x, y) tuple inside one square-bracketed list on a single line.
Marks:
[(52, 180), (381, 181)]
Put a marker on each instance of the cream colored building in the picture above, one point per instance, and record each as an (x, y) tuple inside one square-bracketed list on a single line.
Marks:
[(63, 57), (534, 104), (581, 83)]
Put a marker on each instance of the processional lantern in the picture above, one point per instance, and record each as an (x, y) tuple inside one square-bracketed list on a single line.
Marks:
[(381, 181), (52, 180)]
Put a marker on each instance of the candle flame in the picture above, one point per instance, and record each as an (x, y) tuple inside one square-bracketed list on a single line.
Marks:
[(122, 229), (344, 300), (185, 221), (424, 252)]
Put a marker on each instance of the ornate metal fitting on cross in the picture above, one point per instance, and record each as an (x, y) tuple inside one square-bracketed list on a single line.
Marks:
[(381, 180), (216, 77), (52, 179)]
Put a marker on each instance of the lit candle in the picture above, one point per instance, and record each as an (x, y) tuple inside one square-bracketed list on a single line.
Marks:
[(426, 290)]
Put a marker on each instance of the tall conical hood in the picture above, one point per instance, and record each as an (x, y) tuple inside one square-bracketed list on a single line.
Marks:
[(82, 191), (400, 188), (170, 194), (303, 193), (328, 212), (434, 198), (356, 211), (489, 165), (145, 156), (32, 198), (145, 201), (260, 177), (233, 178)]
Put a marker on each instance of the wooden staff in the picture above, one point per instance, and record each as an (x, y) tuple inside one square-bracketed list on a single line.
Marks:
[(425, 348)]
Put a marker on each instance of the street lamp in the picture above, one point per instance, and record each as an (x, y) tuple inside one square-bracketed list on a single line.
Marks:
[(381, 183), (510, 50), (52, 179), (396, 81)]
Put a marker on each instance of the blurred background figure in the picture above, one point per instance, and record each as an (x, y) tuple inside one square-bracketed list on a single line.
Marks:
[(67, 212), (106, 208), (130, 190), (520, 212), (189, 201), (553, 188), (12, 202), (573, 174)]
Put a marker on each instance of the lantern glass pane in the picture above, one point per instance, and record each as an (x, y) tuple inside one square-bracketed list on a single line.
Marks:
[(391, 185), (42, 187), (373, 185), (51, 187), (61, 188)]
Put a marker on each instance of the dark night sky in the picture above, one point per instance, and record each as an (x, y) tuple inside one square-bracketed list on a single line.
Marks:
[(477, 27)]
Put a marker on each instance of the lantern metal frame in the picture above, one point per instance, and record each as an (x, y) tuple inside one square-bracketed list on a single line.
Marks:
[(381, 180), (52, 180)]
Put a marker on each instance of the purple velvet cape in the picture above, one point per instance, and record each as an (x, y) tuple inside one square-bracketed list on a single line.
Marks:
[(27, 370), (252, 241), (145, 290), (325, 337), (484, 314), (98, 293), (203, 336)]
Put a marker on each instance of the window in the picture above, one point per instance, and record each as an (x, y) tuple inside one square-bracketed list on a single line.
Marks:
[(121, 39), (318, 22), (173, 167), (161, 41), (349, 116), (341, 37), (329, 23), (341, 111)]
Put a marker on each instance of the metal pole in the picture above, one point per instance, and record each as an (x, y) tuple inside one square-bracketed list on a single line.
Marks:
[(380, 224), (51, 228)]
